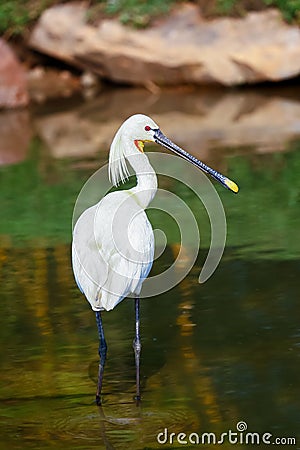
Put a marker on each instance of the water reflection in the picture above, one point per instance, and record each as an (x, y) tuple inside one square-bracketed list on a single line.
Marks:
[(198, 119), (213, 354), (16, 132)]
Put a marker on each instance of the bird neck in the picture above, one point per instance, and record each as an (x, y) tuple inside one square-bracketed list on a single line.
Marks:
[(146, 187)]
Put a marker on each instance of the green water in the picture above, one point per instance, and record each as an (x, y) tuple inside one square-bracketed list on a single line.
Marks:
[(213, 354)]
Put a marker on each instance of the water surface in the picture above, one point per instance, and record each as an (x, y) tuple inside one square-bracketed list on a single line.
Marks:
[(213, 354)]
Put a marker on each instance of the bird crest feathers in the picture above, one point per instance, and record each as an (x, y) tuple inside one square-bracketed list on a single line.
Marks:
[(137, 127), (118, 170)]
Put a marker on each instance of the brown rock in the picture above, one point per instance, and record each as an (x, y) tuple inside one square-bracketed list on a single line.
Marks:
[(13, 89), (183, 48), (45, 84)]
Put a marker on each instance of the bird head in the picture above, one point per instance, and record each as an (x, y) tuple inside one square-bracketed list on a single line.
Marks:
[(139, 129), (129, 140)]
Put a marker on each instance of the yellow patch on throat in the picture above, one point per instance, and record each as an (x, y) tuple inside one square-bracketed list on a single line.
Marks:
[(139, 145)]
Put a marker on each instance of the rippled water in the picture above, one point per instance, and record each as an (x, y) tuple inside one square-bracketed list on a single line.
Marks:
[(213, 354)]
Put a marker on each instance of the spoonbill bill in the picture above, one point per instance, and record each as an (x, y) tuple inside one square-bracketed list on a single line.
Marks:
[(113, 241)]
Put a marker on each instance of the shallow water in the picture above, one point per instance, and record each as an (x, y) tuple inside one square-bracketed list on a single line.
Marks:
[(213, 354)]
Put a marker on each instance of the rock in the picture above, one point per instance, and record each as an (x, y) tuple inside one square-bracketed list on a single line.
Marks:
[(13, 88), (181, 48), (45, 84)]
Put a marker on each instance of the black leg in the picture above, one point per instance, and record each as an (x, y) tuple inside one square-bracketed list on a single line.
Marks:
[(137, 348), (102, 354)]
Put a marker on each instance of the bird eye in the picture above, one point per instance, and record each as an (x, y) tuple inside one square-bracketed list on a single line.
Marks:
[(147, 128)]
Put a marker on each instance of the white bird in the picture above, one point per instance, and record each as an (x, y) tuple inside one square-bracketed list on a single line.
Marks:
[(113, 241)]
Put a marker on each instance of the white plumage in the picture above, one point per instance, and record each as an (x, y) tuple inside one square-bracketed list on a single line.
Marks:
[(113, 242)]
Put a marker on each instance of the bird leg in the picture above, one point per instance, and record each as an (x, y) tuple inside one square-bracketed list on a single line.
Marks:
[(102, 354), (137, 348)]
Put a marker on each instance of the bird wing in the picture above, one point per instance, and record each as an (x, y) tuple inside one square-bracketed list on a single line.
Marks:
[(89, 267), (113, 248)]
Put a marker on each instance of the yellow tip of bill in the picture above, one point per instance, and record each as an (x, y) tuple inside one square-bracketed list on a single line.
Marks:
[(231, 185)]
